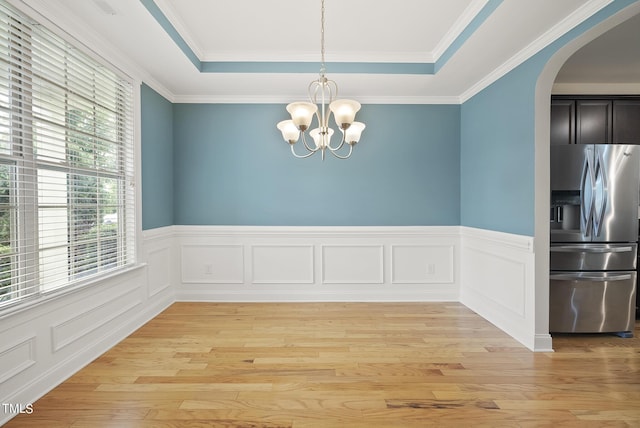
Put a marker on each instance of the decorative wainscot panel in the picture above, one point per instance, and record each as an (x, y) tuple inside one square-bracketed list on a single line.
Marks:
[(282, 264), (422, 264), (498, 281), (318, 263), (212, 264)]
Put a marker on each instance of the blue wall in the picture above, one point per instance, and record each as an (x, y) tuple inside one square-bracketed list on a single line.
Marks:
[(497, 155), (233, 168), (157, 159)]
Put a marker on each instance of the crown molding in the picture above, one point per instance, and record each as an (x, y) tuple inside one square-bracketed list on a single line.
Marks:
[(215, 99)]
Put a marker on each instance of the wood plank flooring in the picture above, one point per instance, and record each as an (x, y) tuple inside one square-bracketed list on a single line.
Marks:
[(344, 365)]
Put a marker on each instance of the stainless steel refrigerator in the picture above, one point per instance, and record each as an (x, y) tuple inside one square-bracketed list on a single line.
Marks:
[(594, 234)]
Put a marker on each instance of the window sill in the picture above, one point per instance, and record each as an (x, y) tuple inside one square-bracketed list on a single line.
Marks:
[(28, 304)]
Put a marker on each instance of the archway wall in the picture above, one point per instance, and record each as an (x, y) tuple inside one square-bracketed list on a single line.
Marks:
[(504, 163), (498, 135)]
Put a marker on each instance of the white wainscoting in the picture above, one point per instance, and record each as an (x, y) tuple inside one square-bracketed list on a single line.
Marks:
[(16, 357), (43, 344), (159, 254), (239, 263), (498, 282)]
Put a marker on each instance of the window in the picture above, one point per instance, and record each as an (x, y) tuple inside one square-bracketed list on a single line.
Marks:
[(66, 163)]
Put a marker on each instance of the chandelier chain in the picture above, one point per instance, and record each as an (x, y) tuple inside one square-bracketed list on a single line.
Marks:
[(322, 66)]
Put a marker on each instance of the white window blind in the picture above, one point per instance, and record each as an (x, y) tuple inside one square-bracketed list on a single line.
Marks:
[(66, 163)]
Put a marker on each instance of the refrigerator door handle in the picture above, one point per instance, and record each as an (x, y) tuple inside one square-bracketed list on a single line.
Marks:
[(600, 192), (589, 249), (588, 276), (586, 199)]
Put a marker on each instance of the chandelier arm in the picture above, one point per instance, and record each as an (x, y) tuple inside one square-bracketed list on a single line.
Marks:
[(301, 156), (326, 111), (335, 149), (333, 93), (306, 145), (345, 156), (313, 89), (319, 118)]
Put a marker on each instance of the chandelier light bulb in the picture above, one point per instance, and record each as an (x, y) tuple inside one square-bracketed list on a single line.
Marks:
[(344, 112), (321, 139), (302, 114), (353, 132), (289, 130)]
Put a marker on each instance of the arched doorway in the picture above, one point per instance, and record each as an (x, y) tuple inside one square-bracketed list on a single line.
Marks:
[(542, 113)]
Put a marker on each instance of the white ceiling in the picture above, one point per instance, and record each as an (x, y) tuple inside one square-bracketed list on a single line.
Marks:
[(270, 32)]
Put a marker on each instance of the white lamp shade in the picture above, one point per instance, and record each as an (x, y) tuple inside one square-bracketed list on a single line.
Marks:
[(318, 137), (302, 114), (344, 112), (352, 133), (289, 130)]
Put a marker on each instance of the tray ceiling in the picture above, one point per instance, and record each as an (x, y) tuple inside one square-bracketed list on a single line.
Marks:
[(268, 51)]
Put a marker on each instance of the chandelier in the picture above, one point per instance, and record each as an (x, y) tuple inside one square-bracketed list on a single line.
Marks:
[(323, 102)]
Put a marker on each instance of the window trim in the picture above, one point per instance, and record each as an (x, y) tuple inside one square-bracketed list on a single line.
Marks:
[(131, 177)]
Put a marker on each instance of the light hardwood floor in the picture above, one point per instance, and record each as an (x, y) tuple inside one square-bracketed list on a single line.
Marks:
[(344, 365)]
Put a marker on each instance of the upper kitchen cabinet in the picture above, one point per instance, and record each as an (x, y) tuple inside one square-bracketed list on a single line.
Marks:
[(626, 121), (563, 124), (595, 119)]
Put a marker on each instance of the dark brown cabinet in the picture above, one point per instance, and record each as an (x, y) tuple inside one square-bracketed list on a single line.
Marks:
[(626, 121), (563, 125), (595, 119)]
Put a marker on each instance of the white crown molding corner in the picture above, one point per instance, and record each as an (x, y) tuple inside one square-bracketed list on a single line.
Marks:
[(151, 82)]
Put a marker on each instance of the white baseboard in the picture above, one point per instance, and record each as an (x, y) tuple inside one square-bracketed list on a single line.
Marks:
[(543, 343)]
